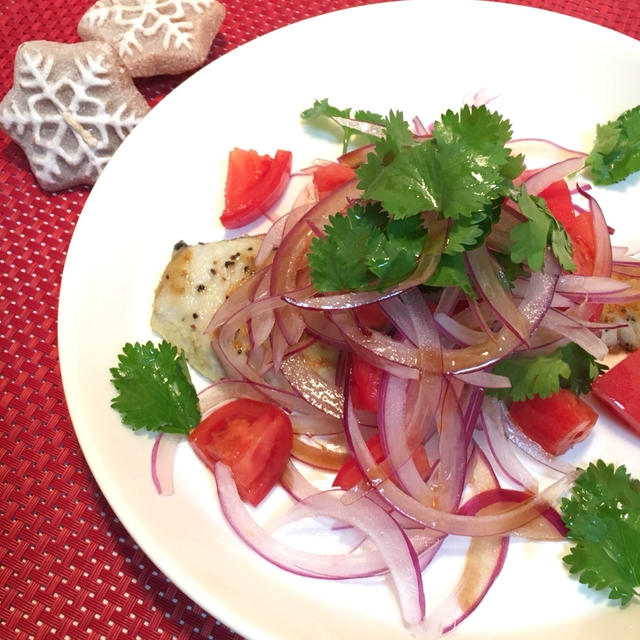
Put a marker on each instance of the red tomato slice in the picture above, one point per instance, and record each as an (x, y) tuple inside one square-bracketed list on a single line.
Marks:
[(618, 388), (349, 473), (371, 316), (326, 177), (584, 243), (253, 438), (364, 384), (558, 200), (556, 423), (254, 184), (579, 227)]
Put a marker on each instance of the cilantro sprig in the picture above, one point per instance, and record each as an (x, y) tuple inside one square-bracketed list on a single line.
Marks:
[(322, 109), (365, 249), (541, 230), (569, 367), (154, 387), (462, 168), (462, 172), (602, 516), (616, 151)]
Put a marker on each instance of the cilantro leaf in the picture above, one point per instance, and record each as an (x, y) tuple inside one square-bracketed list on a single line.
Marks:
[(469, 232), (533, 376), (531, 238), (569, 367), (603, 521), (616, 151), (457, 172), (365, 249), (584, 368), (395, 254), (452, 272), (154, 387)]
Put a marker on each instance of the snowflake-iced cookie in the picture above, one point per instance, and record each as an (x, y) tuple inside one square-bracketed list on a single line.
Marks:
[(70, 107), (155, 37)]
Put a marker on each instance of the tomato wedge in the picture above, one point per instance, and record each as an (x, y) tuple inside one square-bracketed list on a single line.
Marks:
[(253, 438), (584, 243), (618, 389), (371, 316), (579, 227), (557, 197), (364, 384), (557, 422), (349, 473), (328, 176), (254, 184)]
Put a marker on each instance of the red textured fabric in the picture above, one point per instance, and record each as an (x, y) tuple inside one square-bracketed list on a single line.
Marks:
[(68, 568)]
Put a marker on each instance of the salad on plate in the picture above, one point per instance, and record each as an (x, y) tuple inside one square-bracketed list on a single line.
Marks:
[(401, 351)]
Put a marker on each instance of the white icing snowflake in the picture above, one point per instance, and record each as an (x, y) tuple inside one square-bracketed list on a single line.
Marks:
[(70, 107), (141, 30)]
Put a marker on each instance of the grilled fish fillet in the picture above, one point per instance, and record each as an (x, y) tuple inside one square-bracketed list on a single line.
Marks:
[(194, 284), (627, 337)]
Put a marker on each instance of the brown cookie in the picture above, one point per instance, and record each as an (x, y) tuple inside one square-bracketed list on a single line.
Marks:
[(70, 107), (155, 37)]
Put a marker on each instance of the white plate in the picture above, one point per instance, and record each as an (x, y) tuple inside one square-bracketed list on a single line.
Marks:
[(553, 76)]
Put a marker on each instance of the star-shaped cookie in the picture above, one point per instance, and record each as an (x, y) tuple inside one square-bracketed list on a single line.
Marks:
[(155, 37), (70, 107)]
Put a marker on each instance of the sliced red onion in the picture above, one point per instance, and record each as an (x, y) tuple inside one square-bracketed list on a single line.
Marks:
[(586, 285), (376, 347), (390, 540), (449, 476), (328, 566), (163, 455), (290, 257), (324, 329), (483, 525), (486, 282), (484, 560), (228, 389), (315, 425), (480, 98), (312, 387), (444, 521), (538, 296), (458, 332), (370, 128), (316, 455), (484, 379), (541, 148), (624, 271), (295, 483), (393, 553), (602, 255), (543, 178), (622, 257), (574, 331), (448, 300), (419, 129), (357, 156), (502, 449), (534, 450), (350, 300), (405, 416)]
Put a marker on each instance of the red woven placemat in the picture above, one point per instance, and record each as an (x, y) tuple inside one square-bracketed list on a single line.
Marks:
[(68, 568)]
